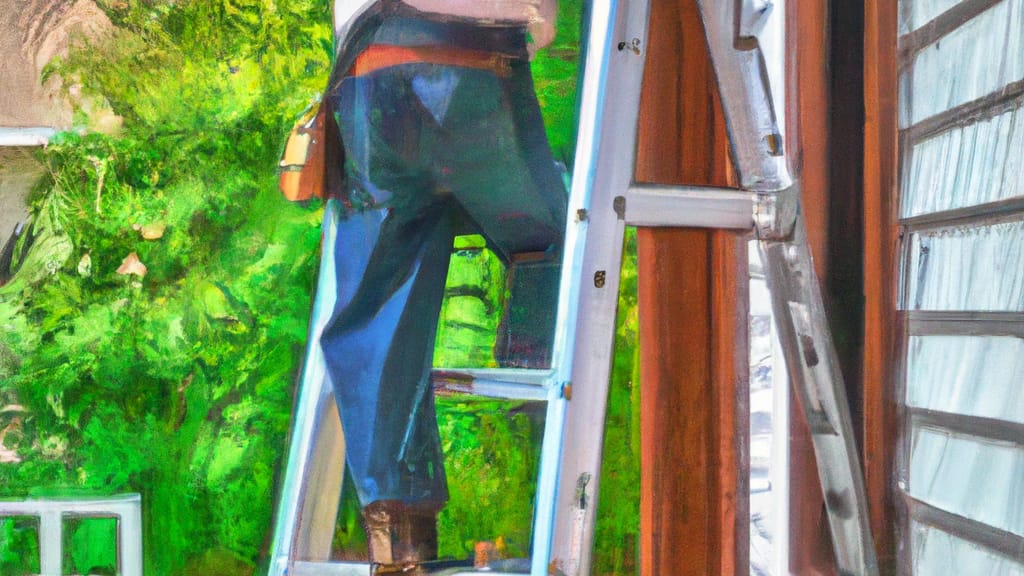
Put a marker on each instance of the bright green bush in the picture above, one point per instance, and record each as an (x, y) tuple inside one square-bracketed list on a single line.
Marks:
[(176, 384)]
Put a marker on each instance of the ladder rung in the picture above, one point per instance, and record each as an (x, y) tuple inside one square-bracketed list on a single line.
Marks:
[(510, 383), (470, 572), (364, 569), (703, 207), (330, 569)]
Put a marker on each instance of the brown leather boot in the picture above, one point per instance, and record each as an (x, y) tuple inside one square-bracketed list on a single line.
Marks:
[(399, 533)]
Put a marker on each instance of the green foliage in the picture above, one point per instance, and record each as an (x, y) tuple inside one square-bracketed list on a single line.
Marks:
[(19, 546), (616, 540), (472, 307), (492, 449), (90, 546), (555, 74), (176, 383)]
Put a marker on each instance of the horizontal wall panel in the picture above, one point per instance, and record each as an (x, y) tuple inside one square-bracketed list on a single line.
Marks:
[(987, 429), (915, 14), (977, 268), (979, 480), (977, 59), (931, 323), (937, 552), (966, 166), (973, 375)]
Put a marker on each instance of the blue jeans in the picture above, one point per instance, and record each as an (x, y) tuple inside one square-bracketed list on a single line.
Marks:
[(430, 151)]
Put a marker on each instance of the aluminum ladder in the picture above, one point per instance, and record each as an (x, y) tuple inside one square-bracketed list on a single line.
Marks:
[(603, 200), (581, 363)]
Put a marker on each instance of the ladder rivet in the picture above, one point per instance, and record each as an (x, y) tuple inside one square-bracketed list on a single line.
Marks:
[(619, 205), (634, 46), (599, 278)]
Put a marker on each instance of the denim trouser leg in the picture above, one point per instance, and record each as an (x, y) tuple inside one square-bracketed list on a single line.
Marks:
[(427, 147), (378, 348)]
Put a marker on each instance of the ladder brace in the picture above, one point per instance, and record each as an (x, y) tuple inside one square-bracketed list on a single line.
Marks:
[(811, 359)]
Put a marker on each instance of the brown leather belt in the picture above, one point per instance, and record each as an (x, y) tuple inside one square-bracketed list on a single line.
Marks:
[(378, 56)]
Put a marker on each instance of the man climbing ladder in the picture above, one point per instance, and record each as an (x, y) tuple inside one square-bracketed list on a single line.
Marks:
[(441, 131)]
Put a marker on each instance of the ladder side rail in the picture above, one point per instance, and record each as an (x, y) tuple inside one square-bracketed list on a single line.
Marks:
[(547, 481), (813, 367), (742, 75), (598, 46), (314, 390), (796, 295), (605, 164), (321, 492)]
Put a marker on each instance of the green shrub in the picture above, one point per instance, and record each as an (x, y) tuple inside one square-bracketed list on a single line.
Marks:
[(176, 384)]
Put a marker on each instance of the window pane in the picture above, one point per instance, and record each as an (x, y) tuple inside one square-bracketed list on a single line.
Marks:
[(983, 481), (90, 546), (977, 59), (769, 433), (966, 166), (969, 265), (978, 269), (974, 375), (19, 545), (937, 552)]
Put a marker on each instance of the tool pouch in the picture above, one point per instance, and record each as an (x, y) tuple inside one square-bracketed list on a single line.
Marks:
[(303, 171)]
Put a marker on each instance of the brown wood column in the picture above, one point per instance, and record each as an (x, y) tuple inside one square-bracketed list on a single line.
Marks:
[(807, 108), (692, 301), (690, 516), (881, 335)]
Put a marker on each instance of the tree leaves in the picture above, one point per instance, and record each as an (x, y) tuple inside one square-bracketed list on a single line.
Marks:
[(124, 377)]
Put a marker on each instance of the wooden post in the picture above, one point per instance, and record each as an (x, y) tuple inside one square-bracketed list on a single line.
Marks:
[(881, 336), (807, 122), (692, 304)]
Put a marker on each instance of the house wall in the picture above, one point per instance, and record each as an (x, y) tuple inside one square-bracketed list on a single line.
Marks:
[(32, 33)]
